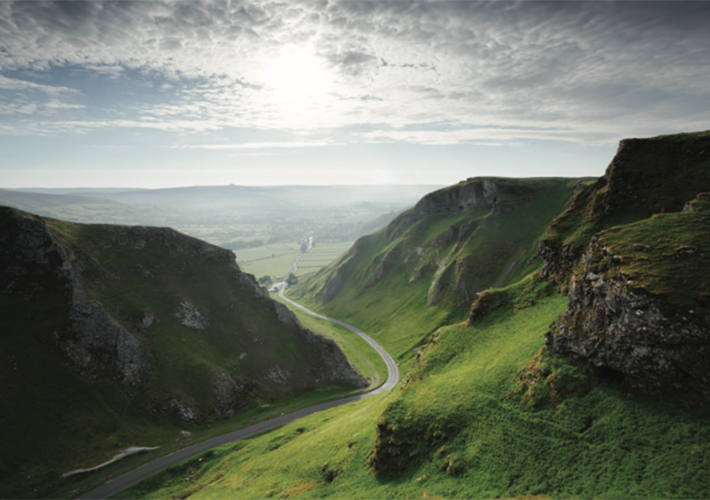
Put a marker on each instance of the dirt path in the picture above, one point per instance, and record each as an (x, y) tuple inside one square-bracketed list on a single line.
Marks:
[(505, 275)]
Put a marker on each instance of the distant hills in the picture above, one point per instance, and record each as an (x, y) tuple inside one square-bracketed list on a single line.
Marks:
[(230, 215), (223, 198)]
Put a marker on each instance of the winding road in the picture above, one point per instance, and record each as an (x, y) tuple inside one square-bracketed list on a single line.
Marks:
[(120, 483)]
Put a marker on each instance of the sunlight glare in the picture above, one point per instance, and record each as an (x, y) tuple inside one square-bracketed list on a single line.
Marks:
[(297, 78)]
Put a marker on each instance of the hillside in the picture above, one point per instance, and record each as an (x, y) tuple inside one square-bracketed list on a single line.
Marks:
[(632, 252), (425, 268), (498, 403), (117, 336)]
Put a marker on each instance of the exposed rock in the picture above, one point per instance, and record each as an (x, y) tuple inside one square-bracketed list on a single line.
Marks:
[(181, 410), (96, 344), (148, 320), (557, 261), (645, 177), (231, 397), (334, 285), (460, 198), (277, 375), (189, 316), (285, 315), (621, 329)]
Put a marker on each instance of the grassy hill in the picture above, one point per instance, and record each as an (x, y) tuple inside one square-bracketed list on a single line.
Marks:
[(489, 407), (425, 268), (117, 336)]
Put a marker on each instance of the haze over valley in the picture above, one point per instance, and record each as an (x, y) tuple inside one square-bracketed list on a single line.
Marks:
[(265, 220)]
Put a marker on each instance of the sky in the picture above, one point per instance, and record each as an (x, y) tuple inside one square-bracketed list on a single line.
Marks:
[(178, 93)]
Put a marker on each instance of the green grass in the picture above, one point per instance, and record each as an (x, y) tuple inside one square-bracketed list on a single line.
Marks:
[(358, 351), (320, 256), (395, 309), (278, 267), (57, 420), (259, 261), (647, 176), (670, 259), (484, 413), (266, 251)]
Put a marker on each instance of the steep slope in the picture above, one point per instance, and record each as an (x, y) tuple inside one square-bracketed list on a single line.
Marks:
[(487, 410), (115, 336), (639, 284), (426, 267)]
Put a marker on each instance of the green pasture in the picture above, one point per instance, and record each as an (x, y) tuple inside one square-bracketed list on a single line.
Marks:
[(485, 412), (278, 267), (320, 256)]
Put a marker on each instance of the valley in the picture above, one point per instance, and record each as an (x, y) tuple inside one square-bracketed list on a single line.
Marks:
[(547, 338), (489, 404)]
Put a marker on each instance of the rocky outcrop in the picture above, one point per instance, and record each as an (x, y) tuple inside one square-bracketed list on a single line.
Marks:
[(341, 274), (334, 367), (639, 307), (558, 260), (189, 316), (623, 330), (92, 341), (98, 345), (459, 198), (645, 177), (106, 276)]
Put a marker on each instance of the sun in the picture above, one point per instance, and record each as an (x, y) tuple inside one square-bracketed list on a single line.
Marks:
[(297, 78)]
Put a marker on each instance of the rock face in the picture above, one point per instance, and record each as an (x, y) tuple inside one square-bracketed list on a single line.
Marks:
[(621, 329), (633, 254), (96, 344), (164, 314), (93, 342), (454, 242), (645, 177), (479, 192)]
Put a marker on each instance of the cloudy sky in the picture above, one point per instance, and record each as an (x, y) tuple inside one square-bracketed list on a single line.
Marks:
[(160, 94)]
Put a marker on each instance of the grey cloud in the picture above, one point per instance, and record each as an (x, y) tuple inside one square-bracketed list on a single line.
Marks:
[(352, 62), (531, 61)]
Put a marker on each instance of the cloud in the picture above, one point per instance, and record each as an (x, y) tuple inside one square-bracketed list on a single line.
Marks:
[(16, 84), (257, 145), (572, 71)]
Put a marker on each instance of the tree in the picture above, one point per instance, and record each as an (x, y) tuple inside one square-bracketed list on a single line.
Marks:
[(265, 281), (292, 279)]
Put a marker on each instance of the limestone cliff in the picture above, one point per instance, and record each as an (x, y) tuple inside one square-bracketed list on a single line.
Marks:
[(645, 177), (639, 284), (166, 316), (93, 342), (454, 243)]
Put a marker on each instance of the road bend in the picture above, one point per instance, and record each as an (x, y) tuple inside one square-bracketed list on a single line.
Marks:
[(135, 476)]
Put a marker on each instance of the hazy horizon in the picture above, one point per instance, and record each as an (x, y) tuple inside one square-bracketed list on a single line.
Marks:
[(160, 94)]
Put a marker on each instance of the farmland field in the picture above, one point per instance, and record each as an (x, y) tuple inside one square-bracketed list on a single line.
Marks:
[(320, 256), (275, 260)]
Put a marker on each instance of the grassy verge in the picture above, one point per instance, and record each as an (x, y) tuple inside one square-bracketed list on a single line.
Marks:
[(358, 351)]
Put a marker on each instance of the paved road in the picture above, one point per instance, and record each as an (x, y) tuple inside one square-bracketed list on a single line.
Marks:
[(120, 483)]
